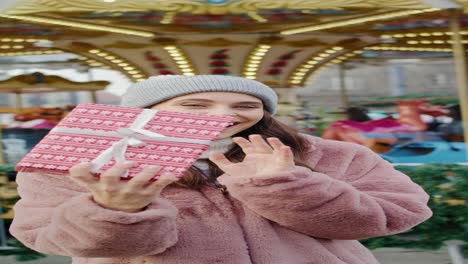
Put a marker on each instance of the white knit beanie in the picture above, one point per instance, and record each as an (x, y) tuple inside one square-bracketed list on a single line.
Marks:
[(160, 88)]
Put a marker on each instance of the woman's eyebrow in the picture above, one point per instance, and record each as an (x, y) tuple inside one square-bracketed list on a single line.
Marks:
[(194, 99), (249, 102)]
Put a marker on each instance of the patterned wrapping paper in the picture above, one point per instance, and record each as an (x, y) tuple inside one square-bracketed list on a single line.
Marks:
[(92, 129)]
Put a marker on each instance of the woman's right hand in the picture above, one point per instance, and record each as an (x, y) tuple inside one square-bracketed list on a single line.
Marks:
[(110, 191)]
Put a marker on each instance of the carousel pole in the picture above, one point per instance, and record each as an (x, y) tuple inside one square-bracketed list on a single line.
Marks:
[(19, 102), (459, 56), (93, 93), (343, 91), (94, 97)]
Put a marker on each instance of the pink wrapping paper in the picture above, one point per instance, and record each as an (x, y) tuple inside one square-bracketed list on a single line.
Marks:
[(58, 150)]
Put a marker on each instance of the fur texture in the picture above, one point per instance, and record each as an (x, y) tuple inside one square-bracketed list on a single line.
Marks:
[(301, 216)]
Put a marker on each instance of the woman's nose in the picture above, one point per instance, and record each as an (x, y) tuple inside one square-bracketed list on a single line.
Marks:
[(225, 111)]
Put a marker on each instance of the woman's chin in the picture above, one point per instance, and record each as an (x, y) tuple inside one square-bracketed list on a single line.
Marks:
[(223, 136), (230, 131), (226, 133)]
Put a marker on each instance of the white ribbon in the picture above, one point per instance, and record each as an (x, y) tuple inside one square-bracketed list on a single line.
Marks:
[(131, 136)]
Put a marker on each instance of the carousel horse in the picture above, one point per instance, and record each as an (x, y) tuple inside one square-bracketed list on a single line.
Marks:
[(355, 128), (40, 117)]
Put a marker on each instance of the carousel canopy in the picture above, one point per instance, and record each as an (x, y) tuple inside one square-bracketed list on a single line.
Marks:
[(278, 42), (39, 83)]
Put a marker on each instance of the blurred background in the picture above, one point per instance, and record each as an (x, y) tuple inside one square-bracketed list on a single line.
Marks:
[(389, 75)]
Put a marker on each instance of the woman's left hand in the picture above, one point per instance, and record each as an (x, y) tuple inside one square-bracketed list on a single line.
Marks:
[(261, 157)]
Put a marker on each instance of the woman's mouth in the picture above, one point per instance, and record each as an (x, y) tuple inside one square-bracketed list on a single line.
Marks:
[(233, 124)]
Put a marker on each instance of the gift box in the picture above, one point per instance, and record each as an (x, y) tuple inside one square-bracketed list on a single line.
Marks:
[(106, 134)]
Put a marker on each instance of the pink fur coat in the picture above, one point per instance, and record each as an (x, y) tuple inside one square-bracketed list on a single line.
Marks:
[(302, 216)]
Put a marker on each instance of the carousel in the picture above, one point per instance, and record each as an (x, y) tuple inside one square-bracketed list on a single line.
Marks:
[(281, 43)]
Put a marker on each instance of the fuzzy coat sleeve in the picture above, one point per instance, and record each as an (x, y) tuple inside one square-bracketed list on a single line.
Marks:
[(351, 194), (56, 216)]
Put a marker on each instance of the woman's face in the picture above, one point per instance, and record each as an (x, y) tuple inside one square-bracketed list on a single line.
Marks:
[(247, 110)]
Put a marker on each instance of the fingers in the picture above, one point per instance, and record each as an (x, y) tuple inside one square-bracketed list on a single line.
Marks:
[(286, 156), (81, 174), (113, 174), (260, 145), (246, 146), (255, 144), (161, 183), (219, 159), (144, 177), (275, 143)]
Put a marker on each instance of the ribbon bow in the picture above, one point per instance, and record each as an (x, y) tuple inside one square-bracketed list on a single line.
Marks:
[(129, 138)]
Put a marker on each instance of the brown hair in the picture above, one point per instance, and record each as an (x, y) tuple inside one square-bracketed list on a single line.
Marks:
[(267, 127)]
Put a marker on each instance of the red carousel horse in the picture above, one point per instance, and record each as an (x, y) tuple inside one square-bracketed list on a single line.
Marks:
[(409, 120), (40, 117)]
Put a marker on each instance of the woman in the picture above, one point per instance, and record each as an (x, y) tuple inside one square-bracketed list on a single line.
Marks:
[(261, 194)]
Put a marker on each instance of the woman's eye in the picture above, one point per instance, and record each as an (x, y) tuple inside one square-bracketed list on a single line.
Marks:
[(246, 106), (193, 105)]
